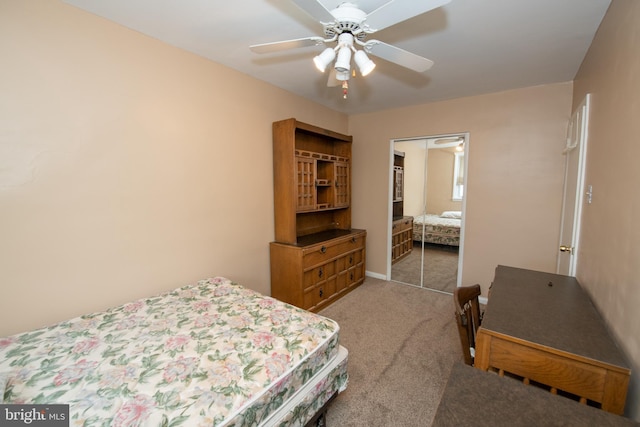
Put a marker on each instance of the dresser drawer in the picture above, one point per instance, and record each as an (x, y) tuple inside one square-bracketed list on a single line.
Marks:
[(319, 293), (330, 249), (348, 278), (402, 224), (349, 260), (319, 274)]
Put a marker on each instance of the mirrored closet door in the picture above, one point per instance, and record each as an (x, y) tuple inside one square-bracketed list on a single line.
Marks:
[(428, 179)]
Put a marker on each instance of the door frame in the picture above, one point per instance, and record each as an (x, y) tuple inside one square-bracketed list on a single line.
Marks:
[(467, 140), (581, 131)]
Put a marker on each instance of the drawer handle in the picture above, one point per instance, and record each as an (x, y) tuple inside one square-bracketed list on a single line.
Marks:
[(353, 240), (321, 292), (320, 272), (323, 250), (351, 275), (351, 259)]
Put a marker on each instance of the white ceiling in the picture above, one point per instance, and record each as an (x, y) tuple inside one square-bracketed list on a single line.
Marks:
[(478, 46)]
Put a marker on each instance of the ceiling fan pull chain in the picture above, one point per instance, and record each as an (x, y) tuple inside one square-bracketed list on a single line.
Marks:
[(345, 88)]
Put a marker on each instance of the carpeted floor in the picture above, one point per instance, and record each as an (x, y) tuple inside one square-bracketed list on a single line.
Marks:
[(440, 267), (402, 343)]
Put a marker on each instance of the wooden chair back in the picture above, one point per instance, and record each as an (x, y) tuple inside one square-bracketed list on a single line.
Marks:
[(468, 317)]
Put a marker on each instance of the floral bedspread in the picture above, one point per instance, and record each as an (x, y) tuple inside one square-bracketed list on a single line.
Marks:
[(443, 231), (213, 353)]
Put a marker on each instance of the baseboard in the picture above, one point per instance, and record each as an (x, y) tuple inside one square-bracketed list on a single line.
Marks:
[(375, 275)]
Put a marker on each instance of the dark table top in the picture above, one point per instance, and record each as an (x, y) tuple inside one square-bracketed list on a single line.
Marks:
[(314, 239), (551, 310), (477, 398)]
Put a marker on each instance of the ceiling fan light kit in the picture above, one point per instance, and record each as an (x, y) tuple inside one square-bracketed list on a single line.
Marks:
[(365, 65), (324, 59), (347, 24), (342, 76), (345, 44)]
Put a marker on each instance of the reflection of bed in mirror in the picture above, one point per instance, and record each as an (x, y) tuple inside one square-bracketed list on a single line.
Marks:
[(443, 229)]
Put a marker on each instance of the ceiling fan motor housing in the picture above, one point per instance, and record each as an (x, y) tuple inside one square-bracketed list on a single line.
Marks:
[(348, 19)]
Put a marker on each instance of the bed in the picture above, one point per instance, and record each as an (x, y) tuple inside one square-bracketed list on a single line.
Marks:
[(213, 353), (443, 229)]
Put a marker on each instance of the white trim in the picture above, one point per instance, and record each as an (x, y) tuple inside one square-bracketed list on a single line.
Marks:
[(375, 275), (581, 181), (583, 136), (390, 208)]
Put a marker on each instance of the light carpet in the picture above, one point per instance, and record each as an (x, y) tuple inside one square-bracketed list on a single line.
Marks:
[(440, 267), (402, 343)]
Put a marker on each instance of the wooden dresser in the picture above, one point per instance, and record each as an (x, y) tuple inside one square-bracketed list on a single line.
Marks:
[(313, 275), (401, 238), (316, 256)]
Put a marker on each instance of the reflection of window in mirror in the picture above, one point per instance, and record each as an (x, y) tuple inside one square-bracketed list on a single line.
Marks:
[(458, 176)]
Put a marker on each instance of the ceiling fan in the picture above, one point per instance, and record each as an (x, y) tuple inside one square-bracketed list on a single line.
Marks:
[(347, 25)]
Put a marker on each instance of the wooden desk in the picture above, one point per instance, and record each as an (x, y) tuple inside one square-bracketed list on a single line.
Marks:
[(544, 327), (475, 398)]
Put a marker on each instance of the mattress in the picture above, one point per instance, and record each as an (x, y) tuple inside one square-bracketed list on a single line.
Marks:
[(442, 231), (332, 379), (213, 353)]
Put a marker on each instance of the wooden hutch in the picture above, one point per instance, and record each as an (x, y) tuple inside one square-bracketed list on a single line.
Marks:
[(402, 228), (317, 257)]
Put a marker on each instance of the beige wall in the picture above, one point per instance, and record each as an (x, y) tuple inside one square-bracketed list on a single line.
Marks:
[(127, 166), (609, 254), (515, 174)]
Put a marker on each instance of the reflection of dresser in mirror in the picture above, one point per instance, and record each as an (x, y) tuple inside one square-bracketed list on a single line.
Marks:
[(402, 227)]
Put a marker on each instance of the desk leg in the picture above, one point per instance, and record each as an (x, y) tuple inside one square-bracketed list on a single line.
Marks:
[(483, 350), (615, 392)]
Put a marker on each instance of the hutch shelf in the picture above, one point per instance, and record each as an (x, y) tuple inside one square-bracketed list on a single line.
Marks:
[(316, 256)]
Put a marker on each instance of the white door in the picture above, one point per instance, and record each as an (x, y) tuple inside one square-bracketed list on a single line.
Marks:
[(575, 153)]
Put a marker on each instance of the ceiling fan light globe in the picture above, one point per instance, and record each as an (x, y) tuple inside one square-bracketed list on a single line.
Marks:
[(343, 63), (365, 64), (324, 59)]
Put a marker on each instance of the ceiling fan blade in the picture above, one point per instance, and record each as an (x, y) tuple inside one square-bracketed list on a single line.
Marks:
[(398, 56), (399, 10), (286, 44), (315, 9)]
